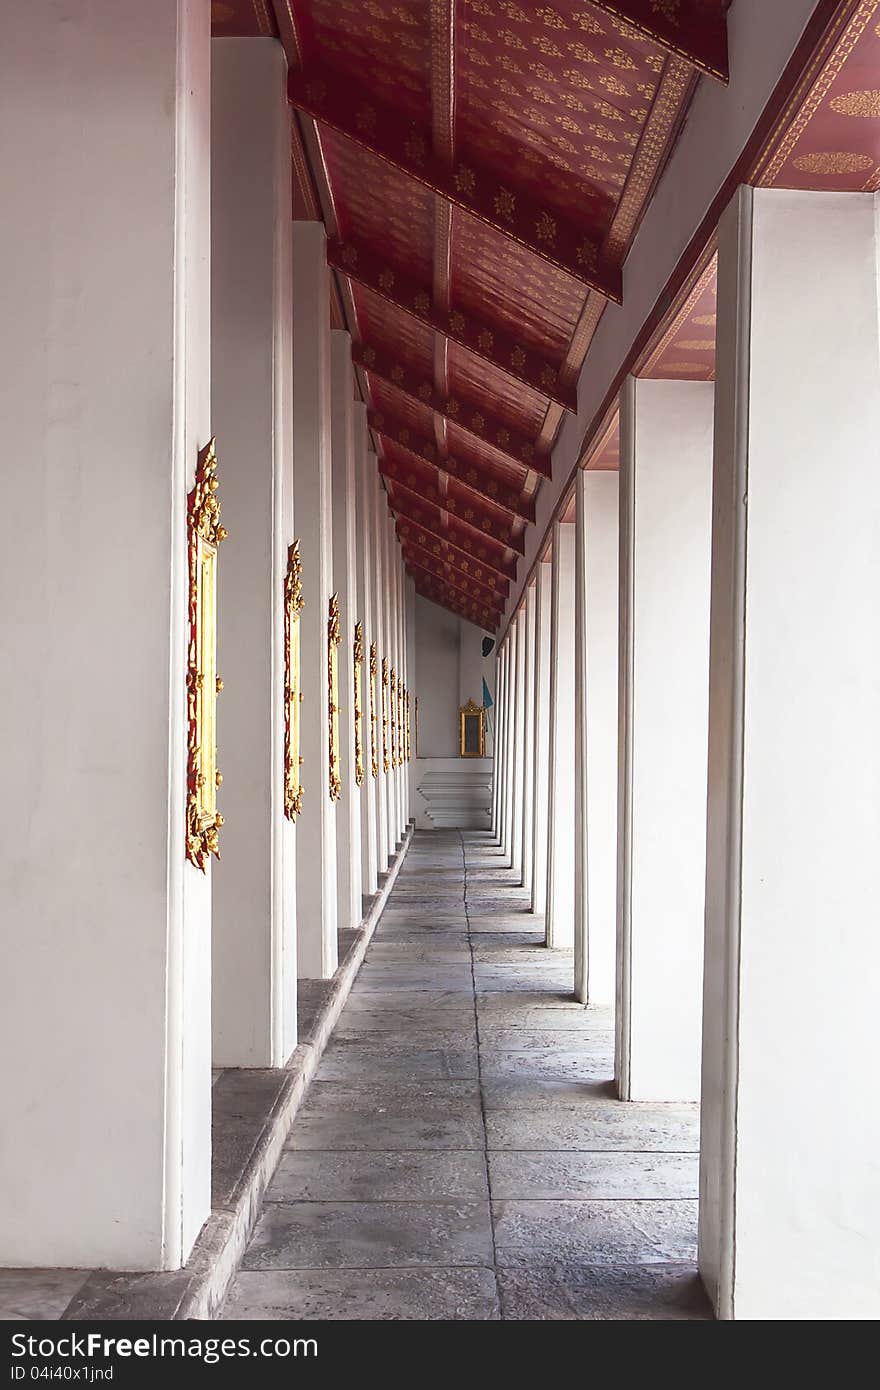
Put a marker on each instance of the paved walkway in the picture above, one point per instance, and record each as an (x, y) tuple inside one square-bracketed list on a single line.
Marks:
[(460, 1153)]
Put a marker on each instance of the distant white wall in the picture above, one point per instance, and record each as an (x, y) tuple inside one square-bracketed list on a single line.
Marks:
[(449, 671)]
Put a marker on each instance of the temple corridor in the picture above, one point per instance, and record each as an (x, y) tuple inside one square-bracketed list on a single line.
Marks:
[(460, 1153)]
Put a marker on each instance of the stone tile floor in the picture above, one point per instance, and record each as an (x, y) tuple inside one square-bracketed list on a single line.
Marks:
[(460, 1154)]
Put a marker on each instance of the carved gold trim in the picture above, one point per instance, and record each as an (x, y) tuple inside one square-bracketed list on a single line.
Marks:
[(358, 654), (334, 637), (293, 604), (203, 820), (395, 759), (386, 757), (401, 750), (471, 711), (417, 725), (374, 718), (408, 728)]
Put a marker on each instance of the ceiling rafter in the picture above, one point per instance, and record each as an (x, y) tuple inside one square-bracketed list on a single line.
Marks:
[(480, 618), (336, 101), (479, 335), (440, 562), (690, 30), (467, 475), (503, 568), (460, 584), (486, 528), (486, 428)]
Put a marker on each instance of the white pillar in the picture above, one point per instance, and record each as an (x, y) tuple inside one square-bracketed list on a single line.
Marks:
[(254, 971), (348, 807), (498, 748), (387, 591), (412, 683), (559, 922), (379, 631), (542, 736), (665, 516), (790, 1203), (529, 715), (316, 824), (397, 597), (510, 750), (364, 463), (105, 1029), (596, 617), (519, 740)]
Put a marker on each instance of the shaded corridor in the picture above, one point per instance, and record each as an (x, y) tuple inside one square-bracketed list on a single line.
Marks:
[(460, 1153)]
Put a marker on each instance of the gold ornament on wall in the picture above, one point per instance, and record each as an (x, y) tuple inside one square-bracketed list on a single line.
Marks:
[(471, 731), (386, 752), (358, 653), (293, 604), (392, 686), (203, 821), (374, 718), (334, 637), (401, 750)]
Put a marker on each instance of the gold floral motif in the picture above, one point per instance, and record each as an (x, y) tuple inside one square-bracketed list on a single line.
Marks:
[(365, 120), (386, 280), (465, 179), (457, 322), (551, 18), (512, 40), (386, 752), (334, 637), (505, 204), (205, 533), (415, 147), (485, 340), (833, 162), (374, 719), (368, 356), (865, 104), (421, 303), (293, 603), (545, 228), (358, 657)]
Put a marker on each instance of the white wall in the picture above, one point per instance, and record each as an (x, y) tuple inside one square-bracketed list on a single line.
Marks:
[(790, 1209), (665, 525), (105, 1039)]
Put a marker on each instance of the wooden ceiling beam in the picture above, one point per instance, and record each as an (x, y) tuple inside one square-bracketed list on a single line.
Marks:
[(482, 618), (494, 569), (682, 27), (354, 112), (487, 529), (487, 429), (476, 334), (444, 564), (467, 476), (462, 586)]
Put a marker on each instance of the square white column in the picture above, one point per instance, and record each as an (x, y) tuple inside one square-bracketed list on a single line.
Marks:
[(519, 743), (790, 1201), (379, 629), (316, 889), (528, 827), (596, 659), (254, 971), (105, 1024), (559, 921), (498, 751), (365, 465), (542, 736), (510, 741), (665, 515), (348, 807)]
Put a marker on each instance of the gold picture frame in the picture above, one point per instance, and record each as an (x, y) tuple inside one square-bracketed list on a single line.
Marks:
[(386, 756), (293, 605), (334, 637), (374, 718), (205, 534), (358, 654), (472, 731), (395, 761)]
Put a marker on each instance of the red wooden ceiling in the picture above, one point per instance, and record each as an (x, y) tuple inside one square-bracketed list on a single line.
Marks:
[(828, 139), (482, 166)]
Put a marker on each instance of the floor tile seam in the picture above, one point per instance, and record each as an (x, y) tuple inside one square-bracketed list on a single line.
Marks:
[(480, 1078), (465, 1201)]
